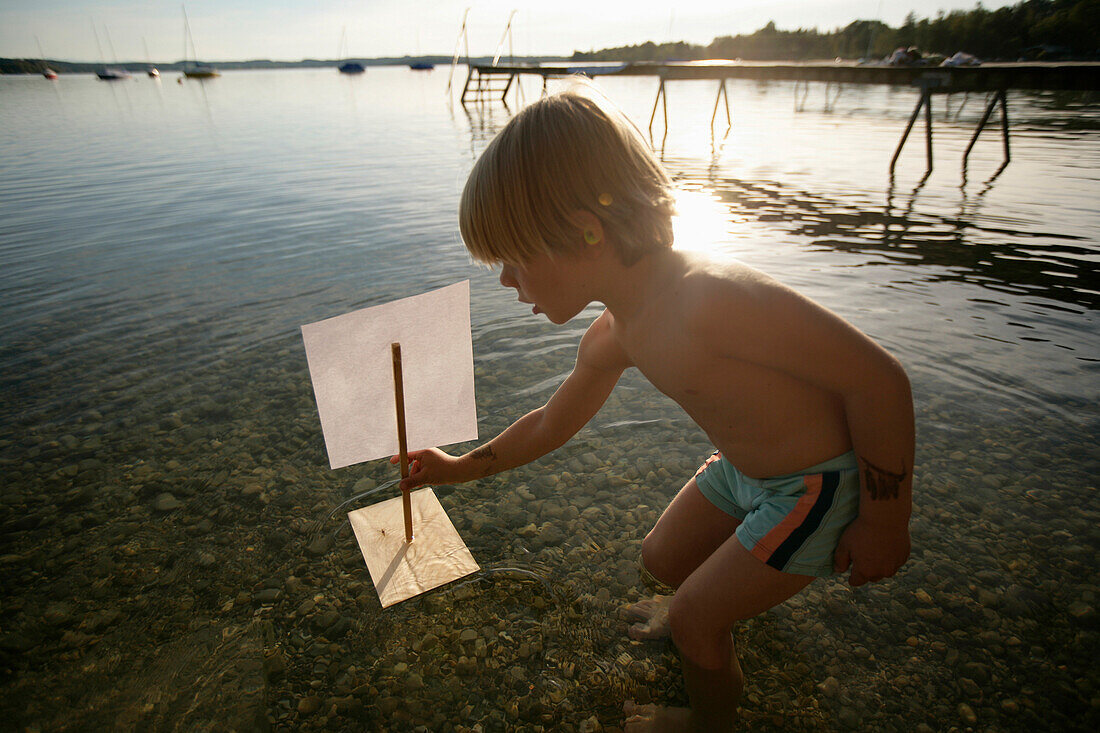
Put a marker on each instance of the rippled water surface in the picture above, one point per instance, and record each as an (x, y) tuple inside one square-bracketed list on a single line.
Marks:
[(171, 558)]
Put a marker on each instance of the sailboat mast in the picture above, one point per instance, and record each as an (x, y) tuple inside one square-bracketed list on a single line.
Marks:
[(188, 37), (97, 44), (111, 43), (46, 70), (454, 58), (507, 36)]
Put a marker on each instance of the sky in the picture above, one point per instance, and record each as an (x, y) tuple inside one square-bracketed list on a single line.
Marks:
[(291, 30)]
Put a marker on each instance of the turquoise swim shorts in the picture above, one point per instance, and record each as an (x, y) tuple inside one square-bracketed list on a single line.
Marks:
[(792, 523)]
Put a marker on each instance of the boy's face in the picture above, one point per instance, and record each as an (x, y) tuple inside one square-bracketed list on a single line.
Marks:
[(555, 286)]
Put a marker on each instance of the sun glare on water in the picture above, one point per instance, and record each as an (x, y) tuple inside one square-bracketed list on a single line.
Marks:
[(702, 222)]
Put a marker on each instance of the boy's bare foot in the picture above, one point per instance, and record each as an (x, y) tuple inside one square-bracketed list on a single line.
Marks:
[(645, 718), (653, 615)]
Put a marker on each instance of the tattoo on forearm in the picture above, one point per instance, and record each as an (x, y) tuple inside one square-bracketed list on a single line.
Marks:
[(880, 483), (484, 453)]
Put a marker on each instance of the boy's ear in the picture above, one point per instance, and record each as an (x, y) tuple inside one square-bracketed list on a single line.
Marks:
[(589, 228)]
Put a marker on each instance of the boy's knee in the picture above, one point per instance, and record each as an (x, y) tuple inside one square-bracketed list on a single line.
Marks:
[(656, 559), (702, 645)]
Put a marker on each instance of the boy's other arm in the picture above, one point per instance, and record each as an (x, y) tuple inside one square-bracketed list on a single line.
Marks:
[(774, 326), (600, 363)]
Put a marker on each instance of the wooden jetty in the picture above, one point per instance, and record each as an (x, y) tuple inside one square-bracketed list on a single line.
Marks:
[(485, 82)]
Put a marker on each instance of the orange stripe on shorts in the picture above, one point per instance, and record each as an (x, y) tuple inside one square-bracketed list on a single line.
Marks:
[(780, 532), (714, 457)]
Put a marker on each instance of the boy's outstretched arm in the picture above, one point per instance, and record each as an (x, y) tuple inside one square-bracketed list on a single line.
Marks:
[(774, 326), (600, 363)]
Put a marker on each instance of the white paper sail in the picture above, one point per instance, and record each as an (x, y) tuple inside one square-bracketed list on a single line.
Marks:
[(350, 363)]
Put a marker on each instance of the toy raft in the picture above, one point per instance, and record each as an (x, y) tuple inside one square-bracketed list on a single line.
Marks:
[(389, 379)]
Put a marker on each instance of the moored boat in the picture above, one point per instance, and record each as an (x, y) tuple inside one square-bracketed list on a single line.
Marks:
[(46, 70), (199, 70), (194, 69), (112, 73), (348, 67), (152, 71)]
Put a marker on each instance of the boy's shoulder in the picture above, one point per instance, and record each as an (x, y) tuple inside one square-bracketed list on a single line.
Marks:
[(721, 272), (716, 283), (600, 348), (724, 295)]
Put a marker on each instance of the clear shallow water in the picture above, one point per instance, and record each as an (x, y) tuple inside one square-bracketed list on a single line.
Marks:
[(161, 243)]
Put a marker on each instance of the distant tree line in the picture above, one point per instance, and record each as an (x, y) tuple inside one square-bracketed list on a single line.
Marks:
[(1032, 29)]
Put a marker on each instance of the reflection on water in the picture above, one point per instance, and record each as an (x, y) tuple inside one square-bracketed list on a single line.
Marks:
[(985, 251), (174, 554)]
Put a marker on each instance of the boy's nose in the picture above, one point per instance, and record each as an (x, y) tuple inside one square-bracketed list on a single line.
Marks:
[(507, 279)]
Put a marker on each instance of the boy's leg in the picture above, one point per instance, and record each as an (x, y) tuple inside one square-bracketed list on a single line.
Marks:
[(729, 586), (688, 532)]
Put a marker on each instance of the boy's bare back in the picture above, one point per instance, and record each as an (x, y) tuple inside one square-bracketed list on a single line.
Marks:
[(758, 367)]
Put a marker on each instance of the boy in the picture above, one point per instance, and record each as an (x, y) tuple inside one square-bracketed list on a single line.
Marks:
[(812, 420)]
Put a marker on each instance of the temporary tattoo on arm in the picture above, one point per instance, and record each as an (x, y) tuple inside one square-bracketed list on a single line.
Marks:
[(485, 453), (880, 483)]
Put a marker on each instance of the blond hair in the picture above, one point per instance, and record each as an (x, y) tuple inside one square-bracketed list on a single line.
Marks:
[(569, 151)]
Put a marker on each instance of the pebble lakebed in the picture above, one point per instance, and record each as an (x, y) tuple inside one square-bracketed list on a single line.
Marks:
[(170, 563)]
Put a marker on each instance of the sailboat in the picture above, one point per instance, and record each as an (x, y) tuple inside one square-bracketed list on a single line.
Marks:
[(152, 70), (109, 73), (194, 69), (112, 73), (420, 65), (348, 67), (46, 70)]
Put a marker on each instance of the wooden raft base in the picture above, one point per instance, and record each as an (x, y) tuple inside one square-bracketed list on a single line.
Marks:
[(399, 569)]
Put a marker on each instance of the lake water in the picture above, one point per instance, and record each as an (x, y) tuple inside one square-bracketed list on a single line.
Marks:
[(171, 556)]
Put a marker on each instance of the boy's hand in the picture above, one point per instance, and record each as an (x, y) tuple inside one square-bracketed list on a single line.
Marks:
[(873, 550), (430, 467)]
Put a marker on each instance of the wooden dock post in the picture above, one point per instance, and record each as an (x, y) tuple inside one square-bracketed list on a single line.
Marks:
[(999, 96), (721, 93), (483, 89), (928, 129), (925, 101), (661, 96)]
